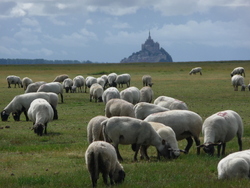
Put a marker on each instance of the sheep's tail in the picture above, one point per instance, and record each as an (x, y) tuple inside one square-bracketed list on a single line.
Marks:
[(105, 136)]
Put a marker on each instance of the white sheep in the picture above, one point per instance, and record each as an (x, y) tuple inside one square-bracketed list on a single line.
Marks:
[(89, 81), (110, 93), (131, 94), (94, 129), (123, 79), (40, 113), (186, 124), (119, 107), (238, 70), (235, 165), (196, 70), (54, 87), (238, 80), (78, 82), (170, 103), (146, 94), (101, 81), (33, 87), (105, 78), (95, 92), (127, 130), (21, 103), (144, 109), (67, 84), (16, 80), (25, 82), (220, 128), (111, 79), (147, 80), (100, 157), (60, 78)]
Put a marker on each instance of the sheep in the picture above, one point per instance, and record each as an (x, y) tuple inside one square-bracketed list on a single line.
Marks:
[(111, 79), (238, 70), (105, 78), (33, 87), (131, 94), (89, 81), (78, 82), (123, 79), (128, 130), (235, 165), (54, 87), (119, 107), (110, 93), (146, 94), (170, 103), (60, 78), (144, 109), (196, 70), (100, 157), (95, 92), (220, 128), (40, 113), (16, 80), (94, 128), (101, 81), (67, 84), (21, 103), (186, 124), (25, 82), (238, 80), (147, 80)]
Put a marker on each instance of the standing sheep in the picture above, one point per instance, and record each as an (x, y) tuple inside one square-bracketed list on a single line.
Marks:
[(33, 87), (101, 81), (238, 70), (111, 79), (60, 78), (220, 128), (25, 82), (16, 80), (100, 157), (131, 94), (146, 94), (170, 103), (40, 113), (54, 87), (123, 79), (89, 81), (105, 78), (238, 80), (147, 80), (196, 70), (95, 92), (67, 84), (78, 82), (110, 93), (119, 107)]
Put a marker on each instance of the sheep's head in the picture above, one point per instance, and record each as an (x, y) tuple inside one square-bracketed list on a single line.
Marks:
[(209, 147), (119, 176), (4, 115), (38, 129)]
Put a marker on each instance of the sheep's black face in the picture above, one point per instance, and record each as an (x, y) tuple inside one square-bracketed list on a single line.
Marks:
[(39, 130), (120, 177), (209, 149), (4, 116)]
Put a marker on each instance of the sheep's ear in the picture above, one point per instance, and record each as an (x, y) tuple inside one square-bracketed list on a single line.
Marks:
[(200, 146), (163, 142)]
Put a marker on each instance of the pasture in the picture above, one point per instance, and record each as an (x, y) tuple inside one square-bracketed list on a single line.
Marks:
[(57, 159)]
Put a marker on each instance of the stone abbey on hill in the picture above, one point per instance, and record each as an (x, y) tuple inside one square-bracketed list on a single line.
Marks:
[(150, 52)]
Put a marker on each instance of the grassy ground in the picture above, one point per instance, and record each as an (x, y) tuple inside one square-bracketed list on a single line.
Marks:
[(57, 159)]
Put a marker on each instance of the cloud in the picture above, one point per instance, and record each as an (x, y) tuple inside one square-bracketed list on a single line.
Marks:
[(121, 25)]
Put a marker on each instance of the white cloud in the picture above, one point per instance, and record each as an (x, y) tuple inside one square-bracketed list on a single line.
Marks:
[(89, 22)]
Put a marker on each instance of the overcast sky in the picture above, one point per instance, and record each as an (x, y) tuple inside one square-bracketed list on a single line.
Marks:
[(109, 30)]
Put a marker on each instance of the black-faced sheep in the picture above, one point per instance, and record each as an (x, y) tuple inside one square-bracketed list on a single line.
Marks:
[(131, 94), (54, 87), (146, 94), (89, 81), (147, 80), (111, 79), (100, 157), (25, 82), (95, 92), (196, 70), (220, 128), (60, 78), (238, 70), (67, 84), (123, 79), (110, 93), (33, 87), (238, 80), (170, 103), (16, 80), (119, 107), (78, 82)]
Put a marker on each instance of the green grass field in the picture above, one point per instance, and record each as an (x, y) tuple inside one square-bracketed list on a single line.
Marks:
[(57, 159)]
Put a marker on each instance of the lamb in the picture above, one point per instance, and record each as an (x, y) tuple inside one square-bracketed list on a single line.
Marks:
[(186, 124), (94, 129), (123, 79), (131, 94), (110, 93), (111, 79), (54, 87), (60, 78), (89, 81), (16, 80), (95, 92), (220, 128), (21, 103), (78, 82), (196, 70), (146, 94), (170, 103), (128, 130), (119, 107), (235, 165), (238, 80), (40, 113), (67, 84), (144, 109), (147, 80), (100, 157), (33, 87), (238, 70), (25, 82)]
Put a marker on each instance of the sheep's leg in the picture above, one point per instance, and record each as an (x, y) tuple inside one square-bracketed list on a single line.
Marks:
[(143, 151), (240, 143), (136, 151), (197, 142), (61, 97), (118, 153), (26, 115), (111, 178), (45, 129), (190, 143)]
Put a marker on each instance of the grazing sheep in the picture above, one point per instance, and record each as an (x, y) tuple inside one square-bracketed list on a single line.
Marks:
[(111, 79), (105, 78), (16, 80), (89, 81), (100, 157), (235, 165), (101, 81), (147, 80), (119, 107), (131, 94), (146, 94), (25, 82), (95, 92), (110, 93), (196, 70), (238, 80), (21, 103), (238, 70), (78, 82), (123, 79), (33, 87), (54, 87), (144, 109), (220, 128), (170, 103), (60, 78), (94, 129), (127, 130), (186, 124), (67, 84), (40, 113)]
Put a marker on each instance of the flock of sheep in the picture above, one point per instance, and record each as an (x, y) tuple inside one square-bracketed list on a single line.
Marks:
[(133, 118)]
